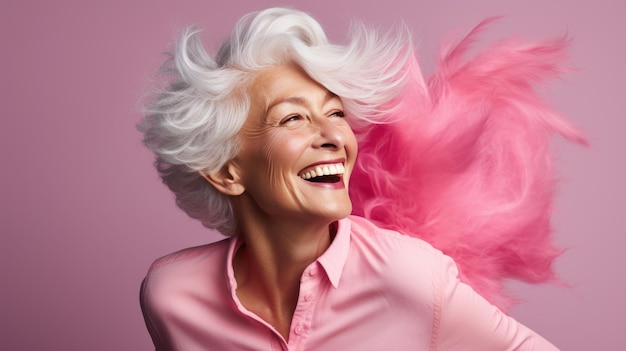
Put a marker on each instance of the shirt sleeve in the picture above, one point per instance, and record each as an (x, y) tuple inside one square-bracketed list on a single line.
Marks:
[(153, 324), (465, 321)]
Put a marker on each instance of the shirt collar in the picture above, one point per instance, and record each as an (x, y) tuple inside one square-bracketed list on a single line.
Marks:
[(332, 260), (235, 243)]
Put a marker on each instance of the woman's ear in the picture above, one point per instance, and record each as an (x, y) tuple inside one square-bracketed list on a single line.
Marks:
[(226, 180)]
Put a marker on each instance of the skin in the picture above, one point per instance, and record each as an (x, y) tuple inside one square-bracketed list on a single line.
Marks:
[(285, 221)]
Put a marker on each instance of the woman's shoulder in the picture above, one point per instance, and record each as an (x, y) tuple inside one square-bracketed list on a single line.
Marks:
[(191, 254), (188, 266), (183, 285), (365, 229), (396, 251), (408, 265)]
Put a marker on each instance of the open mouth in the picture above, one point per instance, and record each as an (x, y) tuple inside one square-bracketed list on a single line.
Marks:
[(326, 173)]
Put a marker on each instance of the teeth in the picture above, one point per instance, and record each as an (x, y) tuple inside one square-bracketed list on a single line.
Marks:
[(321, 170)]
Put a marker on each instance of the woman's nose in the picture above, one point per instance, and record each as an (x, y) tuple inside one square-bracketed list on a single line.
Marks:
[(330, 135)]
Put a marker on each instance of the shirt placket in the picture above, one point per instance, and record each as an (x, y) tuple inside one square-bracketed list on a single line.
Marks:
[(303, 314)]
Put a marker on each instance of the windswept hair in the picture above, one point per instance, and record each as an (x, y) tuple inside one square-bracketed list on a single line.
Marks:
[(192, 125)]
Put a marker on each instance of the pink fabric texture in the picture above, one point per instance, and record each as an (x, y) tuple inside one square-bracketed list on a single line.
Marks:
[(464, 162), (373, 289)]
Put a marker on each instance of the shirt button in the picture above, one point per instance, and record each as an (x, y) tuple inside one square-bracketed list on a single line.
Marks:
[(299, 330), (308, 297), (312, 272)]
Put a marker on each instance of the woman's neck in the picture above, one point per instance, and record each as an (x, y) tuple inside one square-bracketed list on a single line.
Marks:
[(270, 263), (273, 258)]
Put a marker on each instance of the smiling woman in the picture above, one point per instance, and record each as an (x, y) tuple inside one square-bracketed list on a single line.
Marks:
[(259, 143), (295, 127)]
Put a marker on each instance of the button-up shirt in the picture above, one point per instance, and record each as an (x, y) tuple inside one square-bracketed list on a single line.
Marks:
[(372, 289)]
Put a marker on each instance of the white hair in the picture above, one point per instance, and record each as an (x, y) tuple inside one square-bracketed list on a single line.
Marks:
[(192, 125)]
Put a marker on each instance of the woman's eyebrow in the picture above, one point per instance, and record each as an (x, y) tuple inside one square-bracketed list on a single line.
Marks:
[(299, 100)]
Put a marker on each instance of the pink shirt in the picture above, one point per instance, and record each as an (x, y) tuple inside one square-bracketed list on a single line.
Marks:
[(373, 289)]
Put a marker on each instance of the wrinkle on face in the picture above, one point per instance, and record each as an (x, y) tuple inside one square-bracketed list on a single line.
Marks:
[(270, 141), (272, 152)]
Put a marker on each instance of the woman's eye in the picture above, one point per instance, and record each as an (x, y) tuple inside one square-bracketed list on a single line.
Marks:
[(338, 114), (290, 119)]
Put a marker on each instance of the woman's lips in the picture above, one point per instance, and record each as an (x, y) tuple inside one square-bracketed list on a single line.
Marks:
[(319, 172)]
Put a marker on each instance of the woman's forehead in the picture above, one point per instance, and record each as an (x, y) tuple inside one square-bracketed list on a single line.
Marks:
[(288, 83)]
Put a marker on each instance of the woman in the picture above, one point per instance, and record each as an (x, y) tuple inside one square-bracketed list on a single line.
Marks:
[(258, 143)]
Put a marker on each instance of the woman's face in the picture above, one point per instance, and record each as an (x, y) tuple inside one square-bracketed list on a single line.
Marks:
[(297, 149)]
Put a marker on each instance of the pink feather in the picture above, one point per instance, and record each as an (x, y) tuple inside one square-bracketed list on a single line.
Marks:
[(465, 163)]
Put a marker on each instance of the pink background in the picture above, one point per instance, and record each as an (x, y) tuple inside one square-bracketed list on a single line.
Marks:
[(83, 213)]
